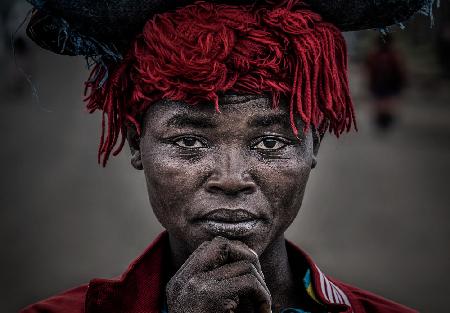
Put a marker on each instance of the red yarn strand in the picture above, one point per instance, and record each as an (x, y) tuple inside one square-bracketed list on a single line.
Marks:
[(200, 51)]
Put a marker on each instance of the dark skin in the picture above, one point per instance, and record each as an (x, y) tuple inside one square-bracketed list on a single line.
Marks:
[(226, 186)]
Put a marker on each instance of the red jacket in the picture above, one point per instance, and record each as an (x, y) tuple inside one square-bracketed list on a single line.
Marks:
[(141, 289)]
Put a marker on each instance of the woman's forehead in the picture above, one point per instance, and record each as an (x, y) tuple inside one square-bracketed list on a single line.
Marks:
[(248, 110), (227, 101)]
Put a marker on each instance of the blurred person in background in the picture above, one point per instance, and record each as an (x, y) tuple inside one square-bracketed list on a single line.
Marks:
[(387, 79)]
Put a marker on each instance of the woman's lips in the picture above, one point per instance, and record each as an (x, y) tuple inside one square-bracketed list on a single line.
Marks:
[(229, 222), (229, 215)]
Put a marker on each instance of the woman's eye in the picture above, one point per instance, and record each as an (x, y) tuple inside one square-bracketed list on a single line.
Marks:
[(269, 144), (189, 142)]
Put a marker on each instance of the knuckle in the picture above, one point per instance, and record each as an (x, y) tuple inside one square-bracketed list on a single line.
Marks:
[(192, 283), (257, 288), (251, 281), (247, 266), (222, 251), (203, 245), (254, 282), (197, 285), (220, 241)]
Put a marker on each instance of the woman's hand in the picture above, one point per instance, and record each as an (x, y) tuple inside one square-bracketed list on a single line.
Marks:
[(221, 276)]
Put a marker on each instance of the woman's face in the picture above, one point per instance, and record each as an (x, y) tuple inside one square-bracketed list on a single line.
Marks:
[(240, 173)]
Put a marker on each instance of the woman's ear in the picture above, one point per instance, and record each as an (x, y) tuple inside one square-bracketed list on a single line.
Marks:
[(133, 141), (317, 139)]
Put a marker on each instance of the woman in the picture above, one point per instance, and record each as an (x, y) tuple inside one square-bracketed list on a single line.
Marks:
[(223, 107)]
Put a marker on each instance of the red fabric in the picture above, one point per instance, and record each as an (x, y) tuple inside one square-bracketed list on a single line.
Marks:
[(141, 289), (200, 51), (70, 301), (365, 301)]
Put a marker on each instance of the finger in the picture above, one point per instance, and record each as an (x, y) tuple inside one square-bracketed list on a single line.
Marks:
[(216, 253), (240, 251), (201, 247), (246, 287), (183, 274), (207, 256), (235, 269)]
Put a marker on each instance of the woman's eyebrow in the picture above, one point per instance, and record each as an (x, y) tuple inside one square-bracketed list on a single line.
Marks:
[(190, 120), (270, 120)]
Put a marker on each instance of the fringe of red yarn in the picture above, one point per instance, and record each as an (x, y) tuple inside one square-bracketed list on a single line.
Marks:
[(200, 51)]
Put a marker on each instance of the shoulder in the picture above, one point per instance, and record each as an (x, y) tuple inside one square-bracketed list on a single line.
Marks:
[(365, 301), (70, 301), (339, 296)]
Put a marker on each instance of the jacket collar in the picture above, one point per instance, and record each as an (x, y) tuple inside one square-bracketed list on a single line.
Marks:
[(141, 287), (321, 288)]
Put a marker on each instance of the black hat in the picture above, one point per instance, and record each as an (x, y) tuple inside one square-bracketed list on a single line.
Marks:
[(105, 28)]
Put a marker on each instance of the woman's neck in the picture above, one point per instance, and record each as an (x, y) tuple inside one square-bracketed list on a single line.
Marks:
[(279, 276)]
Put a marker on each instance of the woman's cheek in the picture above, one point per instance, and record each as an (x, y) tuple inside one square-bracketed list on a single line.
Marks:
[(170, 180), (284, 188)]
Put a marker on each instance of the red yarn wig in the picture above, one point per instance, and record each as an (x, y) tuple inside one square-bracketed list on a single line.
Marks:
[(200, 51)]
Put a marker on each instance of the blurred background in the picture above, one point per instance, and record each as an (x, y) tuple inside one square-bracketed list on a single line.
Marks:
[(376, 211)]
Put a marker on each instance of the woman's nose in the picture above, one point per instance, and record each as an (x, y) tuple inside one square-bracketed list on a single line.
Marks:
[(231, 174)]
